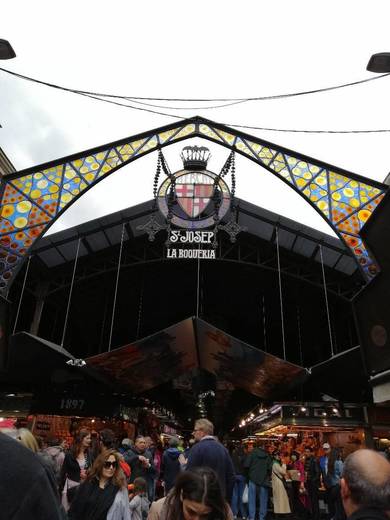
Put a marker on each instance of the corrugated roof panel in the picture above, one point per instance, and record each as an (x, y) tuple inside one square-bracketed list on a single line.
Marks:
[(69, 250), (51, 257), (98, 241), (114, 234), (347, 265), (256, 227), (304, 247), (286, 239), (330, 256)]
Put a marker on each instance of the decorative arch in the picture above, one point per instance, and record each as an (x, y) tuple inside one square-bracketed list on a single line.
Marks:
[(32, 199)]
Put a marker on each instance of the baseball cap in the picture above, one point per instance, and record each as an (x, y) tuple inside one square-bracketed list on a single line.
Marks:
[(126, 442), (326, 446)]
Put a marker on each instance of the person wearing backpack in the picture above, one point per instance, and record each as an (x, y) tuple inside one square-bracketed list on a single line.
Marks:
[(139, 503), (171, 467), (54, 454)]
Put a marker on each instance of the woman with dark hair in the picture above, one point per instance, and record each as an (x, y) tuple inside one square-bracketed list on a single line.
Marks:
[(332, 483), (103, 495), (299, 500), (197, 494), (76, 464)]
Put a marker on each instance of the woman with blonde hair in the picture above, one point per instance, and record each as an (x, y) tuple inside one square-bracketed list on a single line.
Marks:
[(103, 495), (28, 440)]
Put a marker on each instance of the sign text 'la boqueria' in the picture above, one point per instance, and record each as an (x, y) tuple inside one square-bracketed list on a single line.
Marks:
[(191, 253)]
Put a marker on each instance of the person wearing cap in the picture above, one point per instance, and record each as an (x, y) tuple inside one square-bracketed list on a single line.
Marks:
[(324, 462), (126, 444), (324, 459), (332, 483)]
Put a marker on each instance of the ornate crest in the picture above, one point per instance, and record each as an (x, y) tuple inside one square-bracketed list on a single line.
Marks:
[(194, 199)]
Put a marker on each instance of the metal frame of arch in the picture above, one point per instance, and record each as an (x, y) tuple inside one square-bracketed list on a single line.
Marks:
[(32, 199)]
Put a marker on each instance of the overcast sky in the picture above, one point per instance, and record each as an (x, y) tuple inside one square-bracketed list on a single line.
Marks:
[(196, 49)]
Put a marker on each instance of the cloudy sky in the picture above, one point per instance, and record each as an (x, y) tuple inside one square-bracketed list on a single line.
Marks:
[(202, 49)]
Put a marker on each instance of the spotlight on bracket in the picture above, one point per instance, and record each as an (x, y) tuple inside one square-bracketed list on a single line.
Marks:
[(76, 362)]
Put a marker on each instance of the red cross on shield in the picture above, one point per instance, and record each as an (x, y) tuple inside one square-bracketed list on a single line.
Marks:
[(194, 198)]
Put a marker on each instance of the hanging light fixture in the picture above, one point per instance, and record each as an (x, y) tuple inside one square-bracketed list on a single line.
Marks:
[(6, 50), (379, 62)]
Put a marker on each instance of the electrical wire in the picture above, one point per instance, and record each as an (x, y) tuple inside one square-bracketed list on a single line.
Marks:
[(290, 130), (242, 99), (102, 97), (238, 102), (248, 127)]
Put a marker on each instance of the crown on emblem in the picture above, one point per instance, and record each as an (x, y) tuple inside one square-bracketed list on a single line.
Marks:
[(195, 157)]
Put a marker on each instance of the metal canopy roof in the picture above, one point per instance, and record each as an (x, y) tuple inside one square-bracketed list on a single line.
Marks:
[(195, 344), (105, 232)]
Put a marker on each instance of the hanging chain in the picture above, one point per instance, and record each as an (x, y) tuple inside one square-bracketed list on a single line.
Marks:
[(157, 175), (233, 190), (152, 226), (165, 166), (171, 201), (141, 297), (228, 166)]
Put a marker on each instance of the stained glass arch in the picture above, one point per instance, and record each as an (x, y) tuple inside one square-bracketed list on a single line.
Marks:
[(32, 199)]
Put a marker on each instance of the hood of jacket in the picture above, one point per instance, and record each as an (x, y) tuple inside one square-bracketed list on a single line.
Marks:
[(173, 453), (259, 453), (53, 451)]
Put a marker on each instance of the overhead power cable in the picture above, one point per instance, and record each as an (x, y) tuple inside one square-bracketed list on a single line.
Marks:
[(242, 99), (290, 130), (248, 127), (103, 98)]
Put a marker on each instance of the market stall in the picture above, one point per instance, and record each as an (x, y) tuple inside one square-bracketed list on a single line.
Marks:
[(293, 426)]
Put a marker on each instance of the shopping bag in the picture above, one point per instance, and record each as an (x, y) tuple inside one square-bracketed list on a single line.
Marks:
[(245, 495)]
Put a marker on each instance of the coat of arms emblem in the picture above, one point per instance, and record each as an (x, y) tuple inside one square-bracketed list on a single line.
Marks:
[(194, 199)]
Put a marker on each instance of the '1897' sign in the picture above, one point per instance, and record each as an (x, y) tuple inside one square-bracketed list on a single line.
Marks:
[(72, 404)]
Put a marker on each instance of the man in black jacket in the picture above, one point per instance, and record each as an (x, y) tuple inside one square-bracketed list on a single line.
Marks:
[(208, 452), (365, 486), (27, 489), (238, 457), (313, 481), (140, 461), (258, 464)]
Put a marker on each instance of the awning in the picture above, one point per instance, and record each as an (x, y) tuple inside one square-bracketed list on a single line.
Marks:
[(193, 345)]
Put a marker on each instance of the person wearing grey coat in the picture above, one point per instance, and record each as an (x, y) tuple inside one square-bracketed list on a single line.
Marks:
[(120, 507), (139, 507)]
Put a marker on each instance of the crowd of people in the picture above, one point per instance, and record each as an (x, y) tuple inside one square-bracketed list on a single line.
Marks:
[(97, 479), (296, 480)]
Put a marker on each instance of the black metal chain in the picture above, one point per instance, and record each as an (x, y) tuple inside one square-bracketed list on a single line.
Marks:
[(165, 166), (233, 189), (157, 175)]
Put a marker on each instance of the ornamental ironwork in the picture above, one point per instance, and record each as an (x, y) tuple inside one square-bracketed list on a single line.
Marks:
[(192, 200), (31, 200)]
